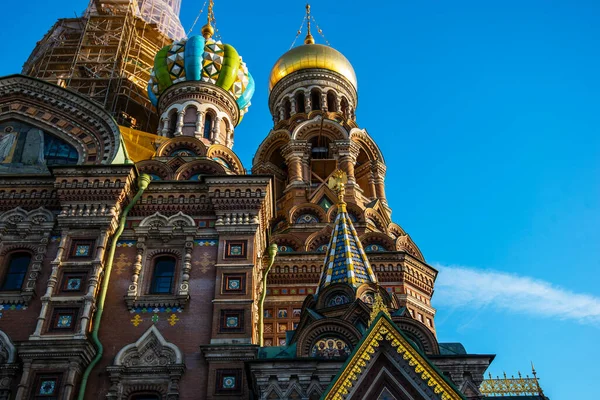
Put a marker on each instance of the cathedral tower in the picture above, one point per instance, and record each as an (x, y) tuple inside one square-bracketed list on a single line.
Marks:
[(313, 101)]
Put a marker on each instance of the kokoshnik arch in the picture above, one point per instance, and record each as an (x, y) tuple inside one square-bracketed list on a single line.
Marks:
[(134, 246)]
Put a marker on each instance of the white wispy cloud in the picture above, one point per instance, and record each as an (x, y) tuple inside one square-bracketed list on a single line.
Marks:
[(464, 287)]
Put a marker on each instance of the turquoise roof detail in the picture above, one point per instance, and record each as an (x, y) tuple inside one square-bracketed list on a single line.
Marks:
[(203, 60), (346, 261)]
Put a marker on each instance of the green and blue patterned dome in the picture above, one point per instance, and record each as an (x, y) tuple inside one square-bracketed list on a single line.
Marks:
[(204, 60)]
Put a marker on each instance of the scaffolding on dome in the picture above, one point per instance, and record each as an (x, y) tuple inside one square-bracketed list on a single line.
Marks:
[(107, 55)]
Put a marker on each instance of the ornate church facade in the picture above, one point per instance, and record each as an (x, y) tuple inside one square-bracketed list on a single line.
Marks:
[(139, 260)]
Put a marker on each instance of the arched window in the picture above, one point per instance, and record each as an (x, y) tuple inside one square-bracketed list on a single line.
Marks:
[(315, 99), (345, 107), (189, 121), (208, 125), (331, 102), (163, 275), (287, 109), (300, 102), (172, 123), (16, 269)]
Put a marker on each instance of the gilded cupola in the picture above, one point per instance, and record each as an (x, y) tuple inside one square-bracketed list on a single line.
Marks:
[(312, 77)]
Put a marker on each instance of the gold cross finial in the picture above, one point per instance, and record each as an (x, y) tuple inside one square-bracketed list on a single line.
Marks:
[(208, 30), (337, 183), (378, 307), (309, 37)]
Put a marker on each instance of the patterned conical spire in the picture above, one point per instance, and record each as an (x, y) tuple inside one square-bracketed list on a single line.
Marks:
[(346, 261)]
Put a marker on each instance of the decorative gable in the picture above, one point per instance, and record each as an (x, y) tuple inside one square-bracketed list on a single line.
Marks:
[(386, 365)]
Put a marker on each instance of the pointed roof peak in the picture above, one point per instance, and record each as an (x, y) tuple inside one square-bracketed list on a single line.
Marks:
[(345, 260)]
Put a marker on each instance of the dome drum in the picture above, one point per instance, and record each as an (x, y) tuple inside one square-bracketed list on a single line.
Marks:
[(201, 93), (301, 90)]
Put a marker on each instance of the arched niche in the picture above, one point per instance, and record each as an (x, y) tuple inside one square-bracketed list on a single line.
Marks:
[(62, 114)]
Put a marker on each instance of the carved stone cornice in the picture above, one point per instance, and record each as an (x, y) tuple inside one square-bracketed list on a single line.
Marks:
[(92, 196), (229, 352), (80, 350)]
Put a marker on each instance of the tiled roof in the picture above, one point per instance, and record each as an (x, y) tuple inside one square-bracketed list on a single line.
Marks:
[(346, 261)]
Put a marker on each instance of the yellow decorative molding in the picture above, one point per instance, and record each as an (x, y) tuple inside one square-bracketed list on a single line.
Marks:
[(384, 330), (511, 386)]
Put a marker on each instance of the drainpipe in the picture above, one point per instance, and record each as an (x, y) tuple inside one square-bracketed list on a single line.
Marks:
[(143, 182), (263, 295)]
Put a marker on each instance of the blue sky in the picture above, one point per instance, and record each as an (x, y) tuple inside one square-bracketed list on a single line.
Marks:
[(488, 116)]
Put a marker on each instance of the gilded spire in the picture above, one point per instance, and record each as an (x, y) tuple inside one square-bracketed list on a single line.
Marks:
[(208, 30), (378, 307), (309, 37)]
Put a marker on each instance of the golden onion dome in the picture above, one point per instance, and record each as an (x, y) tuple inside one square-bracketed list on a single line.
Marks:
[(312, 56)]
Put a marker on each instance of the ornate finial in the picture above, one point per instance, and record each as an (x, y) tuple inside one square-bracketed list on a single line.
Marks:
[(309, 38), (208, 30), (337, 183), (378, 306)]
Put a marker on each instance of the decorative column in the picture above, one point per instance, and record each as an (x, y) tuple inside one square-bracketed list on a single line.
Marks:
[(70, 381), (184, 288), (132, 291), (165, 128), (281, 113), (24, 384), (229, 142), (378, 169), (307, 101), (323, 101), (93, 281), (216, 130), (293, 153), (347, 153), (199, 119), (51, 284), (294, 108), (179, 129)]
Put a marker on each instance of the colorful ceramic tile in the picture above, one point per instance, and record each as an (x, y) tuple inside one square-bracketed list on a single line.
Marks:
[(229, 382), (64, 321), (82, 250), (47, 387), (74, 284), (232, 322)]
